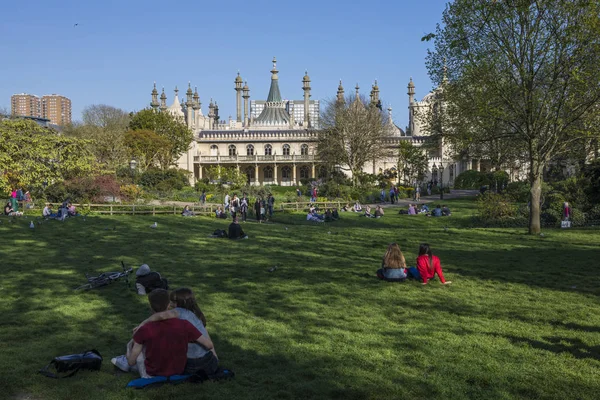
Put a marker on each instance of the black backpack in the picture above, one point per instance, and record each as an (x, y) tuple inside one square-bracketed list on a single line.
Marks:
[(220, 233), (90, 360)]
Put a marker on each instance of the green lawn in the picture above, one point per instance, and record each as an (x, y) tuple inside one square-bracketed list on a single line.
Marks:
[(521, 320)]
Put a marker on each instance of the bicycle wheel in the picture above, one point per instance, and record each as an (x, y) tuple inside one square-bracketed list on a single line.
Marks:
[(87, 286)]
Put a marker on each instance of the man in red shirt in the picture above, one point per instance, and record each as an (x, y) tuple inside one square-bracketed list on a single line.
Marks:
[(164, 342)]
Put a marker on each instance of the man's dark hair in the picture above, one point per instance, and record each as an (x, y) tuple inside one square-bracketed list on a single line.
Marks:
[(159, 300)]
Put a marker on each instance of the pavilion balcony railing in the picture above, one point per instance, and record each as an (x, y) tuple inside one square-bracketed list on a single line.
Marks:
[(255, 158)]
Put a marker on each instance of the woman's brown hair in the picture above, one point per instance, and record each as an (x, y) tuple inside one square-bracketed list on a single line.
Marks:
[(184, 298), (394, 258)]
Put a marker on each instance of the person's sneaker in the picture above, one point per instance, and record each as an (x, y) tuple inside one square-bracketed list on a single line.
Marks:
[(121, 363)]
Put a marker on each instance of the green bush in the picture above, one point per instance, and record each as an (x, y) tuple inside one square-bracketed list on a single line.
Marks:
[(168, 180), (471, 180), (518, 191), (493, 207)]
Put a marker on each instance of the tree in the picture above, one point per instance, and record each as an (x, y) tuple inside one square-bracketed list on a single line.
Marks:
[(31, 155), (352, 134), (412, 163), (518, 75), (147, 147), (105, 127), (167, 127)]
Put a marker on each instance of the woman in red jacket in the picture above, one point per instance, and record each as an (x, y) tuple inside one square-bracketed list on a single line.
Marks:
[(427, 266)]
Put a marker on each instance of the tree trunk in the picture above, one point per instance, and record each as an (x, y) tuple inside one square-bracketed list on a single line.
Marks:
[(535, 194)]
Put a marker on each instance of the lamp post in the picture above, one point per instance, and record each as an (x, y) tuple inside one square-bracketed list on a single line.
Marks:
[(132, 165)]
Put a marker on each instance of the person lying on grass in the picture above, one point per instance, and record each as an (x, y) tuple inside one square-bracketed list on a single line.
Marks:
[(235, 230), (428, 266), (198, 358), (159, 348), (393, 265), (314, 216), (146, 280)]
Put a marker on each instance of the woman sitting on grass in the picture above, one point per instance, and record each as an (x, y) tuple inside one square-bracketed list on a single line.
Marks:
[(393, 266), (198, 358), (427, 266)]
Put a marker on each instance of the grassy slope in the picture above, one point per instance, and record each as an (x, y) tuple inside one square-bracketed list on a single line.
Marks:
[(522, 319)]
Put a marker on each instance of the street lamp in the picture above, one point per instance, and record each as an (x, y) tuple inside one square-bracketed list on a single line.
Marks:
[(132, 165)]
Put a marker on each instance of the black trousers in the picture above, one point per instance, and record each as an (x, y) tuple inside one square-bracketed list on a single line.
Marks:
[(209, 364)]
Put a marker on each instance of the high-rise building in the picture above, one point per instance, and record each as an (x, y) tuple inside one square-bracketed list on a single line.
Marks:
[(25, 105), (53, 107), (57, 109)]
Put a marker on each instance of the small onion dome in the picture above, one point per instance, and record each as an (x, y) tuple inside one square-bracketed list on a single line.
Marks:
[(246, 86), (306, 77), (154, 91), (189, 90), (411, 84), (238, 78), (340, 87)]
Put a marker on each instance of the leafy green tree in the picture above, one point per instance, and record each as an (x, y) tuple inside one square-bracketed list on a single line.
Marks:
[(31, 155), (412, 163), (105, 127), (167, 127), (520, 74), (352, 134), (147, 147)]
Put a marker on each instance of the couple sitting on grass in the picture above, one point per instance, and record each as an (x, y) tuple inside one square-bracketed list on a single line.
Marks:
[(393, 266), (173, 341)]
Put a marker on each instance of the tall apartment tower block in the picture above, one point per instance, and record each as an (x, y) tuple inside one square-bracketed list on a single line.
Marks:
[(53, 107)]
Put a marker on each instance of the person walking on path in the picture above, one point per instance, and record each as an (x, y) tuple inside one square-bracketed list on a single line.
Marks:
[(418, 194), (203, 197), (226, 202), (270, 204), (257, 206), (392, 194)]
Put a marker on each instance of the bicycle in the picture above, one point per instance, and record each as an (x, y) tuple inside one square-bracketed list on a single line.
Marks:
[(106, 278)]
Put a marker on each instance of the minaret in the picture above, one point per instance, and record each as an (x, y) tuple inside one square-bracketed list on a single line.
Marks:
[(238, 97), (189, 106), (357, 88), (246, 96), (375, 95), (154, 104), (340, 93), (306, 88), (216, 116), (211, 114), (411, 104), (196, 108), (163, 100)]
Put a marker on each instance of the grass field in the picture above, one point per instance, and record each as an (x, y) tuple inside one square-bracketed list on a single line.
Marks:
[(521, 319)]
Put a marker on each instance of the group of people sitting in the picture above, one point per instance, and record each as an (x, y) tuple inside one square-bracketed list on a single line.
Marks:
[(355, 208), (394, 268), (172, 341), (67, 209), (378, 213), (438, 211), (328, 216), (9, 211)]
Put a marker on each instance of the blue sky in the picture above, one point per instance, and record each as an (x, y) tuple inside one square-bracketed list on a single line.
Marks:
[(120, 47)]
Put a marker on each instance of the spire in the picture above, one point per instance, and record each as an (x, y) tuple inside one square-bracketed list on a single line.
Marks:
[(274, 113), (411, 91), (274, 93), (357, 88), (340, 93), (154, 104), (163, 100), (189, 103), (197, 103)]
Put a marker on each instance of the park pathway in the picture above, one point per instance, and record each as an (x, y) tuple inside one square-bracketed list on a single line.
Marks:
[(454, 194)]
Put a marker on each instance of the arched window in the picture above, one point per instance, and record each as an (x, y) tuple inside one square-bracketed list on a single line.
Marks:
[(232, 150), (268, 171), (304, 150), (286, 172), (268, 150), (214, 150), (286, 149), (250, 150), (304, 172)]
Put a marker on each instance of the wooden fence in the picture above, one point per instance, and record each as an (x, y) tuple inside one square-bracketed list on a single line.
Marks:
[(304, 206), (133, 209), (198, 209)]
